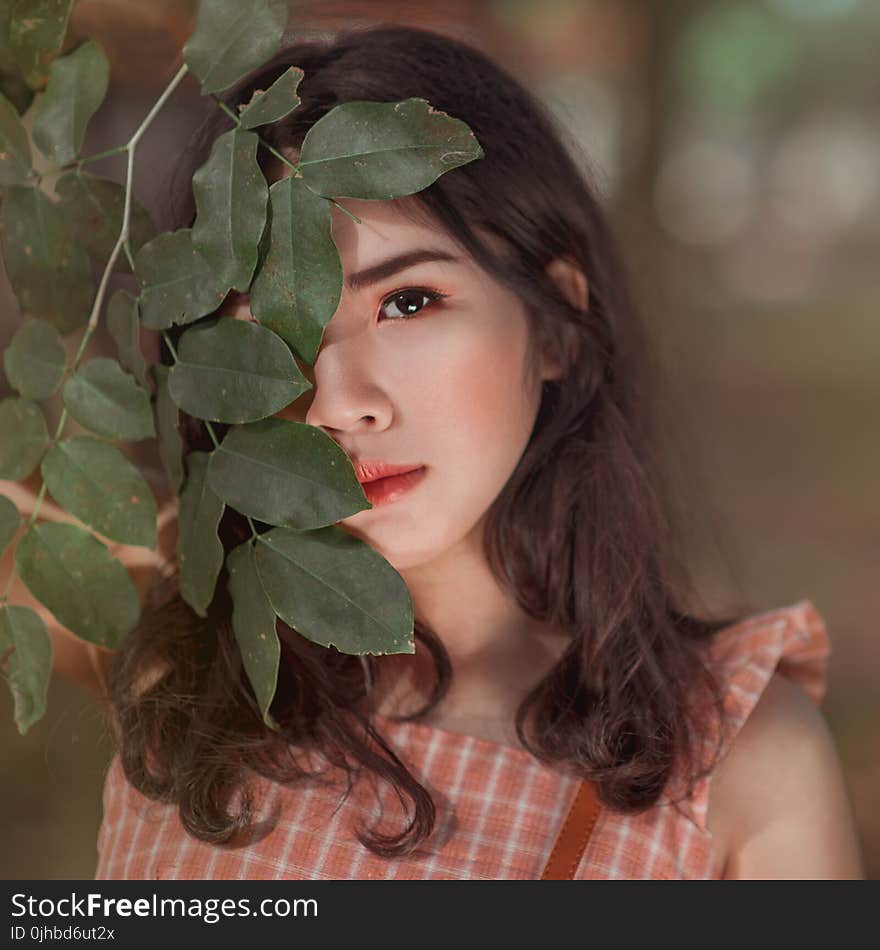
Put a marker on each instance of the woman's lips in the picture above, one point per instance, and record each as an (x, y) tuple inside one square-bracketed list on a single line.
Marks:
[(368, 470), (383, 491)]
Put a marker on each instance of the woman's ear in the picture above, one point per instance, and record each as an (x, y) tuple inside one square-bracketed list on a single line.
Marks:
[(574, 286), (571, 280)]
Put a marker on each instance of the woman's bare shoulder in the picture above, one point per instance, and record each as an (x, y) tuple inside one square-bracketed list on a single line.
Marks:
[(778, 805)]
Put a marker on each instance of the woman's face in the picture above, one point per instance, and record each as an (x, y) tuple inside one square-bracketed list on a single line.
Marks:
[(404, 378)]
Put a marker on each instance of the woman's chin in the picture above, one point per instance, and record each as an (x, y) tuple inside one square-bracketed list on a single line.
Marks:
[(363, 535), (398, 559)]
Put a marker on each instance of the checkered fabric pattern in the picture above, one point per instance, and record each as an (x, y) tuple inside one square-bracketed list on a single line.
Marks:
[(499, 809)]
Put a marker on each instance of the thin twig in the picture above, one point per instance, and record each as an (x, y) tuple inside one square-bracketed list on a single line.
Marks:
[(281, 158), (121, 241)]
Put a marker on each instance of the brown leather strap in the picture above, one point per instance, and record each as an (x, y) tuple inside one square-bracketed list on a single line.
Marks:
[(573, 835)]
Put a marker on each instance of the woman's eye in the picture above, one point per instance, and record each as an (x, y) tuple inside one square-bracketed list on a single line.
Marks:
[(407, 303)]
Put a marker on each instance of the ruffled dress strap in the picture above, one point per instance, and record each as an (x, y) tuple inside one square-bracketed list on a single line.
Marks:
[(792, 641)]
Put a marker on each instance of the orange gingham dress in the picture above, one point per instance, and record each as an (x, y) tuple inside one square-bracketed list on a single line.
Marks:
[(499, 809)]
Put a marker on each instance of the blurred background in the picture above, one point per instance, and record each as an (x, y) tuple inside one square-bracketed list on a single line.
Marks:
[(736, 146)]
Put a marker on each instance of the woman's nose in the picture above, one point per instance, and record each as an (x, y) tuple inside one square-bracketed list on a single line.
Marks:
[(345, 395)]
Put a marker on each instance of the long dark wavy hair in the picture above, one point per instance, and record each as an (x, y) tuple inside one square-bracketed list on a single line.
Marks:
[(579, 536)]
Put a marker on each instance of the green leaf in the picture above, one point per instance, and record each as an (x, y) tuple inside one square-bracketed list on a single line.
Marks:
[(29, 664), (231, 370), (231, 194), (124, 327), (278, 101), (167, 418), (199, 549), (286, 473), (297, 288), (23, 438), (34, 360), (336, 590), (36, 34), (253, 622), (49, 271), (77, 86), (15, 152), (232, 39), (10, 522), (380, 150), (94, 481), (178, 285), (94, 208), (75, 576), (102, 397)]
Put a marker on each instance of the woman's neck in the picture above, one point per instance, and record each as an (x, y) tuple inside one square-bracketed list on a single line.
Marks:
[(498, 652)]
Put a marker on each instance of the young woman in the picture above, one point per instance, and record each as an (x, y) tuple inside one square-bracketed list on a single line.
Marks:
[(485, 337)]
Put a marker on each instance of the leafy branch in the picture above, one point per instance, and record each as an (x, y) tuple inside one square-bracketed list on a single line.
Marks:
[(294, 168), (122, 241), (274, 242)]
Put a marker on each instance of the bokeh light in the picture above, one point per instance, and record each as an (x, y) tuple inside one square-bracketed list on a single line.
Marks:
[(705, 193), (729, 54), (825, 177)]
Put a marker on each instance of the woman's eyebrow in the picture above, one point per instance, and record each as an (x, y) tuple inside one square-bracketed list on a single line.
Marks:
[(384, 269)]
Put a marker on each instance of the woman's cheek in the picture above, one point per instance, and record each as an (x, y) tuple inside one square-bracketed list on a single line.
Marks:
[(494, 373)]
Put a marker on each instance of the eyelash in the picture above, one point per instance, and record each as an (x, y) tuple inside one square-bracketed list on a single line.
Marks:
[(432, 295)]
